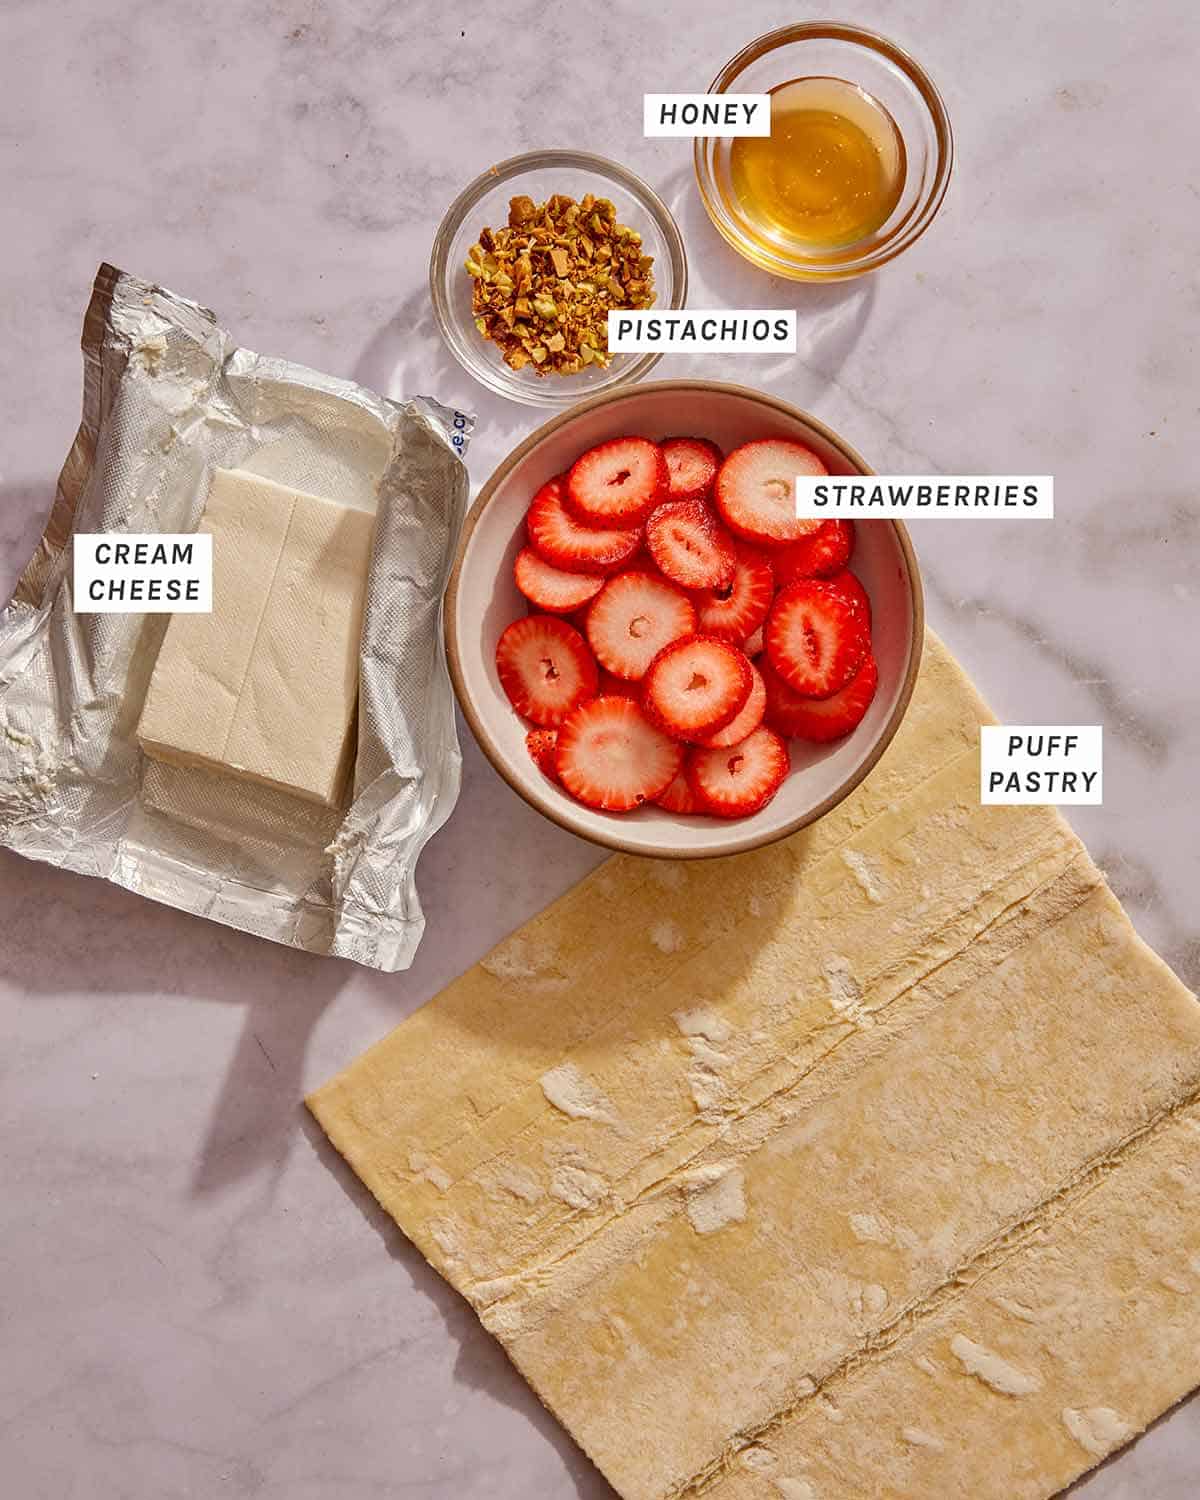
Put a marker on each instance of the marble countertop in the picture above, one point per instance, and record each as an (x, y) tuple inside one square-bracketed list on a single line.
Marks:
[(199, 1300)]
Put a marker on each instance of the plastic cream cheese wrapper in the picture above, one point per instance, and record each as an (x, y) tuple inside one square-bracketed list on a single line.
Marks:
[(168, 400)]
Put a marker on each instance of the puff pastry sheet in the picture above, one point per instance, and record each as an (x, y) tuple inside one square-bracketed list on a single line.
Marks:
[(864, 1165)]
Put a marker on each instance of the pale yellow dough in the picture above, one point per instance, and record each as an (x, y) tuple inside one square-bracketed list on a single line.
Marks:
[(881, 1179)]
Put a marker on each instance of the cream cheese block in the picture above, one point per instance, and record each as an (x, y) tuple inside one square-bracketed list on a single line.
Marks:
[(266, 685)]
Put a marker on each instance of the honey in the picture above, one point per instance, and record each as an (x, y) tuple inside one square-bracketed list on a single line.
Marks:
[(831, 171)]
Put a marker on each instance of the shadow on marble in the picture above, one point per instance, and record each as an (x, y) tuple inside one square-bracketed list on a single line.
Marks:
[(407, 356), (481, 1363), (24, 511), (66, 933)]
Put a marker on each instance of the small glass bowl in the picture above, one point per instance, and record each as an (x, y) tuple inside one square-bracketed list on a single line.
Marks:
[(830, 50), (485, 202)]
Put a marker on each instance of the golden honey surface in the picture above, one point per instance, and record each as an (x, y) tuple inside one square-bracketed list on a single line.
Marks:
[(830, 172)]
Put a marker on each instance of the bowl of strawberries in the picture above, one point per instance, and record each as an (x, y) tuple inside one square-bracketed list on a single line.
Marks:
[(648, 644)]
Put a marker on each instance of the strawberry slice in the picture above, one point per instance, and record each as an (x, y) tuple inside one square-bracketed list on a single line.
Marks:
[(552, 589), (610, 684), (754, 646), (541, 743), (824, 719), (735, 782), (689, 546), (785, 706), (545, 668), (755, 490), (737, 609), (610, 756), (746, 722), (617, 483), (692, 465), (696, 686), (818, 555), (816, 640), (633, 617), (678, 797), (564, 543), (851, 589)]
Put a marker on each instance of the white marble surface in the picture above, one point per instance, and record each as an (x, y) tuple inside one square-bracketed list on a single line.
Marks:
[(198, 1299)]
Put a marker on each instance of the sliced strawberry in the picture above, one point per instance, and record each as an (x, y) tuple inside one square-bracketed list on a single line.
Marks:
[(736, 610), (816, 640), (745, 722), (823, 719), (545, 668), (754, 646), (678, 797), (541, 745), (741, 780), (610, 755), (633, 617), (692, 465), (564, 543), (818, 555), (696, 686), (785, 707), (851, 589), (610, 684), (617, 483), (553, 589), (689, 546), (755, 490)]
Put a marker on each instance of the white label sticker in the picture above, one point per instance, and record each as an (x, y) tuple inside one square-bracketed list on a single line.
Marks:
[(1027, 764), (136, 573), (1028, 497), (763, 330), (707, 114)]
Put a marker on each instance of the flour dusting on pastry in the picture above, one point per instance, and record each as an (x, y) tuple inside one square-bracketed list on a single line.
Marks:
[(991, 1369), (667, 936), (716, 1196), (865, 873), (577, 1187), (576, 1095), (1098, 1429), (916, 1437), (522, 957), (427, 1169), (845, 992)]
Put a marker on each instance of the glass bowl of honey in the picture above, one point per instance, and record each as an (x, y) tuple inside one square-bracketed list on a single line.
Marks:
[(857, 162)]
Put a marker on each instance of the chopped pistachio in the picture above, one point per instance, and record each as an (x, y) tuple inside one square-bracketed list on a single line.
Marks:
[(544, 286)]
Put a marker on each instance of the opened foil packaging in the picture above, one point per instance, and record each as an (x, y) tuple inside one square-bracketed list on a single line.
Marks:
[(169, 398)]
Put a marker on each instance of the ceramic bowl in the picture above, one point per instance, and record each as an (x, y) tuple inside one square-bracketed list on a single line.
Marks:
[(482, 599)]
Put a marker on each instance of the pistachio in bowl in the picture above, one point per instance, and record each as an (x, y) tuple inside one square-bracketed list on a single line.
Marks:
[(545, 282)]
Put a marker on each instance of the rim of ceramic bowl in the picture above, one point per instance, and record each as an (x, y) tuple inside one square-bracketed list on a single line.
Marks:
[(544, 804), (638, 366), (919, 217)]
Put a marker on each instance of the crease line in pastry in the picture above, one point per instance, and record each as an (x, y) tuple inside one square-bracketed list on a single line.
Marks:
[(527, 1279), (1006, 1243), (1071, 849)]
